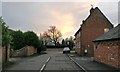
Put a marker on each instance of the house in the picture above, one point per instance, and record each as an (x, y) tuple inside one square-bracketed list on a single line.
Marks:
[(106, 48), (95, 25), (77, 41)]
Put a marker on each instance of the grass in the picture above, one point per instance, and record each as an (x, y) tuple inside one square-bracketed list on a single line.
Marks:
[(7, 64), (43, 52)]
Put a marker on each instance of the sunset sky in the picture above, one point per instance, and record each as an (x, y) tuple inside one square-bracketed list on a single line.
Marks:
[(66, 16)]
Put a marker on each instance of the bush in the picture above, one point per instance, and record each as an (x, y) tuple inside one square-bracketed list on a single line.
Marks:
[(31, 39), (18, 40), (43, 48)]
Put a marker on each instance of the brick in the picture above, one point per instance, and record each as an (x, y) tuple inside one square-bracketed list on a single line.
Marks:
[(107, 54), (90, 29)]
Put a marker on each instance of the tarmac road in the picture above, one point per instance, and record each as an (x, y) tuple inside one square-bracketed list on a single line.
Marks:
[(58, 62)]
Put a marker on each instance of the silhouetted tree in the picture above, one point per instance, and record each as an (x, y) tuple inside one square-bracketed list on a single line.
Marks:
[(46, 38), (71, 42), (63, 42), (54, 34)]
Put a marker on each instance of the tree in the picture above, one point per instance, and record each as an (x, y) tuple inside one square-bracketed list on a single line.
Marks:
[(0, 33), (71, 38), (71, 42), (46, 38), (54, 34), (63, 42), (31, 39), (28, 38), (6, 37), (66, 42), (18, 40), (42, 46)]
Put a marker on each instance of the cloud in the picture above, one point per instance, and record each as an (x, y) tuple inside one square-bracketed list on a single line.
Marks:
[(0, 8), (38, 16), (58, 0), (64, 22), (110, 10)]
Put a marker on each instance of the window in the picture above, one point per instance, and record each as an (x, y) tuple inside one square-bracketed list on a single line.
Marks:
[(106, 30)]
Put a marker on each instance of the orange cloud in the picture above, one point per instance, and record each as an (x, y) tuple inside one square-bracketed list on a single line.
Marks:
[(64, 22)]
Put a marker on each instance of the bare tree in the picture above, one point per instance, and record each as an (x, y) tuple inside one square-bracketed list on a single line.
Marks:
[(46, 38), (53, 33)]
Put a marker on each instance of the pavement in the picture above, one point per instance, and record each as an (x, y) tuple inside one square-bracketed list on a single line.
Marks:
[(90, 65)]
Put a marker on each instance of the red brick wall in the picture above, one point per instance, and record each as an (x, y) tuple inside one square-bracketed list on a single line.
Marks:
[(3, 54), (77, 50), (77, 43), (92, 28), (25, 51), (107, 53), (31, 51), (0, 54)]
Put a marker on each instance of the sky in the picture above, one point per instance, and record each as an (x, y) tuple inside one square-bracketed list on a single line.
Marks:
[(66, 16)]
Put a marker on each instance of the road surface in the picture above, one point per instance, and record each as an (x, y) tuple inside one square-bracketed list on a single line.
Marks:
[(58, 61)]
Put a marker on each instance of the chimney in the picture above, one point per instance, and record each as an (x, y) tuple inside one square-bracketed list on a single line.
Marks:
[(91, 10)]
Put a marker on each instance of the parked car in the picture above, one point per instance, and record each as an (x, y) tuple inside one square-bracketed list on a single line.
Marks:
[(66, 50)]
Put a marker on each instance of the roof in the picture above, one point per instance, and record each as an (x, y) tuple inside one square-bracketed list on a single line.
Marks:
[(113, 34), (77, 31), (92, 11)]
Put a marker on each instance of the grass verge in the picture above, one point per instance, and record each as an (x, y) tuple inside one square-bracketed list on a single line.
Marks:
[(42, 52), (7, 64)]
